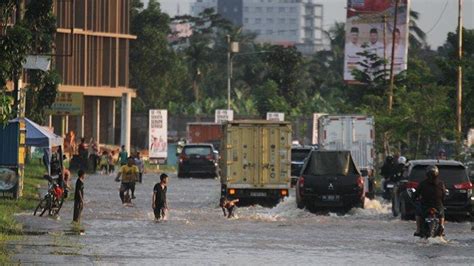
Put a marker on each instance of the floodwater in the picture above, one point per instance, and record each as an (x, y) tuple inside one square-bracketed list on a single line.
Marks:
[(196, 232)]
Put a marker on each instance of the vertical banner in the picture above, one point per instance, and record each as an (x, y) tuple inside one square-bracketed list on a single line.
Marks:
[(275, 116), (316, 117), (224, 115), (158, 134), (370, 27)]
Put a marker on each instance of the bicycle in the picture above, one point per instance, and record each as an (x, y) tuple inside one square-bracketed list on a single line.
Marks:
[(53, 200)]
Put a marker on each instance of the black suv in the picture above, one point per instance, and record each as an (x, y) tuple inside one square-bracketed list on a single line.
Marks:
[(460, 200), (198, 160), (330, 179), (298, 158)]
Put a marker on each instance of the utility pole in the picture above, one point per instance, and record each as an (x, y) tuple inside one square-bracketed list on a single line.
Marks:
[(228, 71), (392, 74), (459, 81), (384, 20)]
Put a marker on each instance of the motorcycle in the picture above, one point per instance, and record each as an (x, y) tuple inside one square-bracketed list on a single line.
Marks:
[(431, 226), (388, 189)]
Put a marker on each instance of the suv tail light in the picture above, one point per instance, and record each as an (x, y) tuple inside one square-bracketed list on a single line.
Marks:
[(182, 158), (466, 185), (301, 181), (360, 181), (412, 184)]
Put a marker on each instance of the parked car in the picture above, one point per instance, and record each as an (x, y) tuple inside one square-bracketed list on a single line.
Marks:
[(330, 179), (298, 157), (198, 160), (454, 174)]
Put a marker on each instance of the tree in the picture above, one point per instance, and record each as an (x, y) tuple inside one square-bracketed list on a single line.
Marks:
[(156, 70), (33, 33)]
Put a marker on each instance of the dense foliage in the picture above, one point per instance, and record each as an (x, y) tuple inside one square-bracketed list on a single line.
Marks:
[(189, 76), (32, 33)]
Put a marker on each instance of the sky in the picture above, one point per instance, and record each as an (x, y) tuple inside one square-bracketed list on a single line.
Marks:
[(432, 19)]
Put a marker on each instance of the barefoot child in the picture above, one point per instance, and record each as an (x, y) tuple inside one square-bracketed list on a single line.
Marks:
[(228, 205), (159, 203)]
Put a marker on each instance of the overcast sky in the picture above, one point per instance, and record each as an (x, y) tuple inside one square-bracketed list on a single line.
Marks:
[(430, 11)]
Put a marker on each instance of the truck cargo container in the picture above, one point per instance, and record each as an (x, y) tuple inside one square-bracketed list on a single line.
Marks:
[(354, 133), (204, 132), (256, 161)]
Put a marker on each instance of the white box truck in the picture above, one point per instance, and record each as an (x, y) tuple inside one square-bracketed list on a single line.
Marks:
[(354, 133)]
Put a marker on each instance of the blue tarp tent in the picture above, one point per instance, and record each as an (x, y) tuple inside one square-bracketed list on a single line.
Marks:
[(38, 136)]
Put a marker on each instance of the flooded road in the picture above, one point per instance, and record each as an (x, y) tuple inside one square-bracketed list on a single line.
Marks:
[(197, 232)]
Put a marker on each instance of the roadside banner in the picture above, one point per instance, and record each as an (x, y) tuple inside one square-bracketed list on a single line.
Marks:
[(316, 117), (275, 116), (369, 27), (158, 134), (224, 115), (67, 103)]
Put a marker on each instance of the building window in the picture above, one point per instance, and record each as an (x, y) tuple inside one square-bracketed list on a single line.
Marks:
[(281, 20), (224, 9), (258, 20), (258, 31), (281, 32), (269, 9), (269, 32), (236, 9), (292, 9), (246, 20), (293, 32), (281, 9), (293, 20), (258, 9), (269, 20), (246, 9)]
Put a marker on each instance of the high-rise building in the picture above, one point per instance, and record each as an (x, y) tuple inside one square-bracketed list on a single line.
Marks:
[(283, 22)]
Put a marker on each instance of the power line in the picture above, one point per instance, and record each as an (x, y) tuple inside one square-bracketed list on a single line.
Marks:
[(439, 18)]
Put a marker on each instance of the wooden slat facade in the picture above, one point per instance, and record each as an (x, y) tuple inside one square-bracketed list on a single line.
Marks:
[(99, 59)]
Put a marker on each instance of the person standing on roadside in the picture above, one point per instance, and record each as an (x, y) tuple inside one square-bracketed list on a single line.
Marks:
[(141, 167), (79, 196), (123, 156), (159, 203), (83, 153)]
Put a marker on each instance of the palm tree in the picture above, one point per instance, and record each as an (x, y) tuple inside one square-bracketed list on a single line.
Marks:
[(417, 37)]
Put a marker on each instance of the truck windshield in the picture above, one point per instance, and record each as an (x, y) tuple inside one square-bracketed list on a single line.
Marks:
[(197, 150), (330, 163), (298, 155), (449, 174)]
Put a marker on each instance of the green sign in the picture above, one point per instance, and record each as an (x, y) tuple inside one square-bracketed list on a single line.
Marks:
[(67, 103)]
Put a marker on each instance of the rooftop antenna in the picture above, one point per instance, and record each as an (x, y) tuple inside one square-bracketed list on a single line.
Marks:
[(177, 10)]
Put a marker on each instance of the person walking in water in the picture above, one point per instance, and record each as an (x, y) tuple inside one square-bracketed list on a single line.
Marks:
[(228, 205), (79, 196), (129, 174), (159, 203)]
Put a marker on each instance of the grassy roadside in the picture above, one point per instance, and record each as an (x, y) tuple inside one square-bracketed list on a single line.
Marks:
[(9, 228)]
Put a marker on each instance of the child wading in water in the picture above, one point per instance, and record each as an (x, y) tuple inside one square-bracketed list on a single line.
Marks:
[(159, 202), (228, 205)]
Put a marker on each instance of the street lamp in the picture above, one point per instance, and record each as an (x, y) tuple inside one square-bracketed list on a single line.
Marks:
[(233, 47)]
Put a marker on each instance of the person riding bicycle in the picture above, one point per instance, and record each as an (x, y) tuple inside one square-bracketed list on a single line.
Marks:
[(431, 193), (129, 174)]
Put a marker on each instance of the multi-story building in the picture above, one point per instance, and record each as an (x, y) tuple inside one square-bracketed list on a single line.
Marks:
[(94, 60), (284, 22)]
